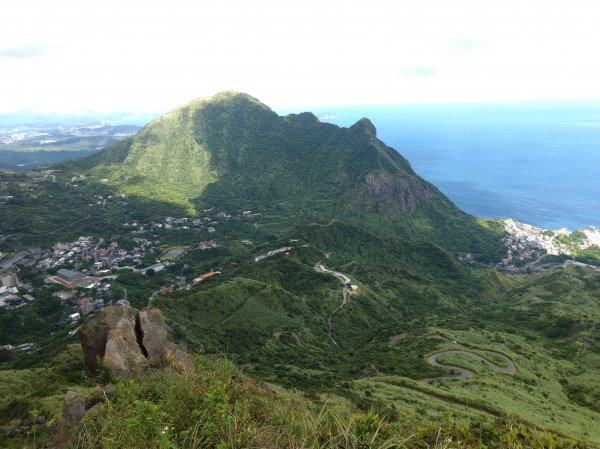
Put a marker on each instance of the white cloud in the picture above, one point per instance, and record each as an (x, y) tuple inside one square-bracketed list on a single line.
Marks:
[(116, 55)]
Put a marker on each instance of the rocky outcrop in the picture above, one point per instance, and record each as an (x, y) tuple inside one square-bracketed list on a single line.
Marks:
[(128, 342), (158, 349), (109, 335), (72, 413), (370, 371), (402, 193)]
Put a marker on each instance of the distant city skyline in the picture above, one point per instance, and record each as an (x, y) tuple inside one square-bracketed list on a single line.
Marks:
[(65, 56)]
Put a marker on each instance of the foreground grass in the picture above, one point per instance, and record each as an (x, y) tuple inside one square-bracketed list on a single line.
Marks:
[(219, 407)]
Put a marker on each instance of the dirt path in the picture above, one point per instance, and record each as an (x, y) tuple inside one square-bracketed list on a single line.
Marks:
[(465, 373), (320, 268)]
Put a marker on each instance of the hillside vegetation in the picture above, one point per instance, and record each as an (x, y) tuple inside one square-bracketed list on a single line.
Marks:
[(218, 406), (232, 151)]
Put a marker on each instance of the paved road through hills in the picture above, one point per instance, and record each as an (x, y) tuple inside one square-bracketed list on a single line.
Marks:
[(320, 268), (463, 373)]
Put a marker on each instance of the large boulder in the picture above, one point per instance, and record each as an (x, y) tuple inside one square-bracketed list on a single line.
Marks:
[(128, 341), (154, 335), (110, 335), (158, 349)]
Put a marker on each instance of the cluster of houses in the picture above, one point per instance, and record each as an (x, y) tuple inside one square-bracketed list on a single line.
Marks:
[(24, 347), (186, 223), (208, 244), (78, 251), (526, 243), (172, 223), (13, 293), (26, 257), (101, 257), (84, 266), (76, 180), (110, 256), (80, 305)]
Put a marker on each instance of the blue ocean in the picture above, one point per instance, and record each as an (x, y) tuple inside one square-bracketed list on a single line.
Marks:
[(538, 163)]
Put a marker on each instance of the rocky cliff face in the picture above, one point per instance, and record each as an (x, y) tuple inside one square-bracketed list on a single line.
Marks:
[(404, 195), (128, 341)]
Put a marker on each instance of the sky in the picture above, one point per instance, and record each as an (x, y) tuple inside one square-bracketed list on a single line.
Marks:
[(64, 56)]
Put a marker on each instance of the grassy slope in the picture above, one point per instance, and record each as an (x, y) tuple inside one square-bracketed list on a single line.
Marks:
[(404, 287), (415, 289), (163, 162), (218, 406)]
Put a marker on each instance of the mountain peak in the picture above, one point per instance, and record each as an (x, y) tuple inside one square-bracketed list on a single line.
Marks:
[(233, 151), (230, 98), (365, 125)]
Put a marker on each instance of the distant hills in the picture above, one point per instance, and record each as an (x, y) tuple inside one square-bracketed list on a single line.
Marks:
[(41, 120), (29, 148), (30, 139)]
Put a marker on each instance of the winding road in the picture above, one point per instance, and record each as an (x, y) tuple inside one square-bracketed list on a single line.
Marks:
[(465, 373), (320, 268)]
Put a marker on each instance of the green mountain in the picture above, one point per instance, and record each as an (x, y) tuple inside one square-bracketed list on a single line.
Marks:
[(232, 152)]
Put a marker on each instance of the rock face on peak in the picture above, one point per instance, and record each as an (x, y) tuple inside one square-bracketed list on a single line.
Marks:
[(128, 341), (401, 195)]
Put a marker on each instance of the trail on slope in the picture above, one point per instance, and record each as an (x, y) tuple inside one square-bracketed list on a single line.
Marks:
[(324, 225), (463, 373), (320, 268)]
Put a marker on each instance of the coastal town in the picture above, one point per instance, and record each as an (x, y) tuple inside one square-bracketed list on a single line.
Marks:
[(528, 246)]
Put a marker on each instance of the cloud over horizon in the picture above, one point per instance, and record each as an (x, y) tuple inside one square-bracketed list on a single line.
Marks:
[(422, 71), (133, 56), (24, 51)]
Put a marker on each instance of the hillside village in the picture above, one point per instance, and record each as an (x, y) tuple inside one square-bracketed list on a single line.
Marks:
[(89, 265), (80, 273)]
